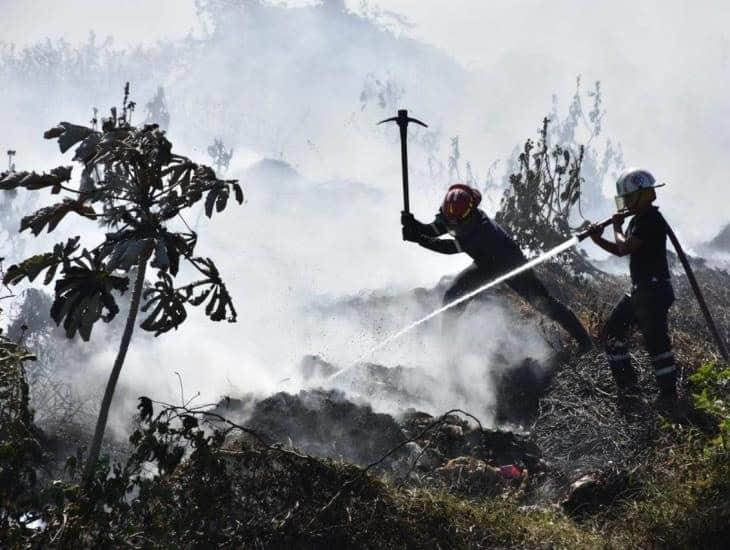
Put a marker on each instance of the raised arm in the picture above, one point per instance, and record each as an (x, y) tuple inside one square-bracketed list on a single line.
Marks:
[(443, 246)]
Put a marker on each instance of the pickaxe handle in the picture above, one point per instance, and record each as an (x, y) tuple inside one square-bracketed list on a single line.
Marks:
[(403, 119), (404, 163)]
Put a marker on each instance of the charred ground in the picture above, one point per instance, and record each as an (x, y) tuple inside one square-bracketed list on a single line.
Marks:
[(321, 468)]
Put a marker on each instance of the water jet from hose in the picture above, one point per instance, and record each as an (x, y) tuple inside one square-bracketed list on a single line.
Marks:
[(570, 243)]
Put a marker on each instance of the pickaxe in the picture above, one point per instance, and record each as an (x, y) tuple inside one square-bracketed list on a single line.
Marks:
[(403, 119)]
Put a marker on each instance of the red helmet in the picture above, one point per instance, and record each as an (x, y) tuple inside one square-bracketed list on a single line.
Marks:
[(459, 202)]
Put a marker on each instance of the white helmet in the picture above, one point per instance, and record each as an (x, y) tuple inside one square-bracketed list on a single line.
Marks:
[(631, 181)]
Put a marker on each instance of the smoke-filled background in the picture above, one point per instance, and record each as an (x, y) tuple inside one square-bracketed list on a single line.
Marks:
[(295, 90)]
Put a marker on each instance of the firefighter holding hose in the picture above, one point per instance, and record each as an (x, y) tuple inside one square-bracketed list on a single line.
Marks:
[(494, 253), (647, 304)]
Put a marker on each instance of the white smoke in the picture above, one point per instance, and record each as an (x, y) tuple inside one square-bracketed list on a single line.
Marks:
[(297, 92)]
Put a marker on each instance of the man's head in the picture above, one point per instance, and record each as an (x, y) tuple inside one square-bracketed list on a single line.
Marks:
[(460, 201), (635, 190)]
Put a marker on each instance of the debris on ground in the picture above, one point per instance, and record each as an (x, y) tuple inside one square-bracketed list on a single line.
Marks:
[(593, 492)]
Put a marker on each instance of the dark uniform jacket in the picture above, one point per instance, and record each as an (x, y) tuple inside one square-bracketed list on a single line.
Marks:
[(648, 265), (484, 240)]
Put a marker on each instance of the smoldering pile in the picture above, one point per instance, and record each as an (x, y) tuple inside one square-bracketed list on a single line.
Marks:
[(452, 450)]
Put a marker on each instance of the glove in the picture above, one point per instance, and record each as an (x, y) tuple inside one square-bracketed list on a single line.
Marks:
[(412, 224), (411, 233), (408, 220)]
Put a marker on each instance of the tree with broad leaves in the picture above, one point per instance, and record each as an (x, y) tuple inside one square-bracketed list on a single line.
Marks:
[(134, 186)]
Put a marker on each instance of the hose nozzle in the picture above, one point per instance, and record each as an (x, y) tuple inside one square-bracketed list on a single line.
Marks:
[(605, 223)]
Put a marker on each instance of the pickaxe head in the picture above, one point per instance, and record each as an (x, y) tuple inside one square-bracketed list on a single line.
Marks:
[(403, 119)]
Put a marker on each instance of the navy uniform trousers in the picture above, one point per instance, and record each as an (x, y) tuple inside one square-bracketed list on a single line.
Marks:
[(527, 286), (646, 307)]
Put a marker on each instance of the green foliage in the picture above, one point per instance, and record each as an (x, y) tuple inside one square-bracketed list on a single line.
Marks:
[(139, 186), (178, 484), (711, 393)]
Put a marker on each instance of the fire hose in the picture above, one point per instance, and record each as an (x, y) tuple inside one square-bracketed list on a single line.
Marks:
[(690, 277)]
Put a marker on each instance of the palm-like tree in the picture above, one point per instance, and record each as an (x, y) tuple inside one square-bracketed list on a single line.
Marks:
[(134, 186)]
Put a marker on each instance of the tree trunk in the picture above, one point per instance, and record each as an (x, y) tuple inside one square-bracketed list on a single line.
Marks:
[(106, 402)]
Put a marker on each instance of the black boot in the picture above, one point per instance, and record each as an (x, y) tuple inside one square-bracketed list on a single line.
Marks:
[(667, 385), (624, 375), (585, 345)]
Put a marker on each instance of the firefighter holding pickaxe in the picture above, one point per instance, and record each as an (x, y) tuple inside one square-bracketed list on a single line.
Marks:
[(493, 250)]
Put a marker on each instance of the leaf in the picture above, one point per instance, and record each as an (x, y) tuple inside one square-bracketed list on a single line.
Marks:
[(52, 215), (189, 422), (33, 266), (210, 201), (198, 299), (161, 259), (32, 180), (220, 304), (51, 273), (218, 194), (68, 134), (87, 185), (238, 192), (145, 408), (167, 306), (176, 171), (83, 296), (30, 268), (170, 247), (222, 200), (87, 148), (185, 182), (88, 315)]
